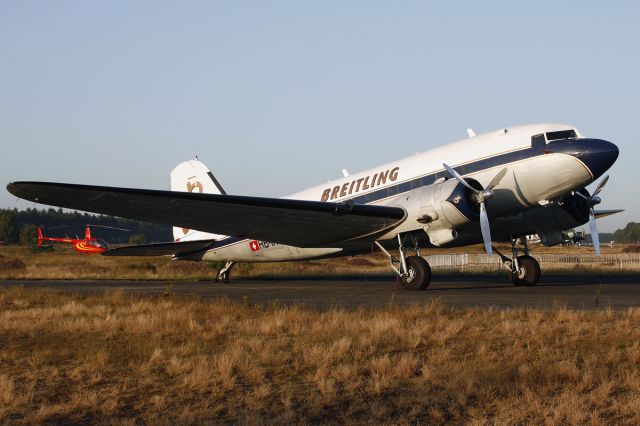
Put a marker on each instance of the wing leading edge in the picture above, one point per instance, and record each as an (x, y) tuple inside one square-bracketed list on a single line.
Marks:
[(298, 223)]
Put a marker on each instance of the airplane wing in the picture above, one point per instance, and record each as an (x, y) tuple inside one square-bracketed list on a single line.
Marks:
[(293, 222), (177, 248)]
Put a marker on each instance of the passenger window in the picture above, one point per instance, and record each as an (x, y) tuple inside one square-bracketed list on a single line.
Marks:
[(404, 187), (428, 180), (538, 141)]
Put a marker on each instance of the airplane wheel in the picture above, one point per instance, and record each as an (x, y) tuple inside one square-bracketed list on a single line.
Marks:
[(419, 274), (224, 274), (223, 278), (528, 273)]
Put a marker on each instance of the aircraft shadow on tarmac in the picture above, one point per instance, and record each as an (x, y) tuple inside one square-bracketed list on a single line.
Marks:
[(474, 287)]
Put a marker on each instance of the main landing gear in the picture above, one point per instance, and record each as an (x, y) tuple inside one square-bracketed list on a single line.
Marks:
[(414, 272), (224, 274), (524, 269)]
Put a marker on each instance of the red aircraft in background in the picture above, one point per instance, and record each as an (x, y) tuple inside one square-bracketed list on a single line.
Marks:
[(88, 245)]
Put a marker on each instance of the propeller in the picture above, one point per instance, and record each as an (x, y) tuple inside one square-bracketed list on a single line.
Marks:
[(481, 197), (90, 225), (593, 201), (108, 227)]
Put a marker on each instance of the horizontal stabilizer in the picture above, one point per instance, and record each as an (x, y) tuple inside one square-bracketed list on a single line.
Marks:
[(179, 248), (297, 223), (604, 213)]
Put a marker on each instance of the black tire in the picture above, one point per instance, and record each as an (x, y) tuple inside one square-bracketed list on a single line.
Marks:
[(528, 273), (419, 274)]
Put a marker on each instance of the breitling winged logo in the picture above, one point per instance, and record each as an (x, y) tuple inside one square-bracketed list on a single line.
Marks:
[(197, 185)]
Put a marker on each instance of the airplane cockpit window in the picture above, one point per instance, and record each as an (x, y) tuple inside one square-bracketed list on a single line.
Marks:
[(561, 134), (538, 141)]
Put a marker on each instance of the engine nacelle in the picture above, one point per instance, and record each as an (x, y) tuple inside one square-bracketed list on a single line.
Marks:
[(570, 213), (439, 209)]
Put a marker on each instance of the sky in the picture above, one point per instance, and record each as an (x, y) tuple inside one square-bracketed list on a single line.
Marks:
[(278, 96)]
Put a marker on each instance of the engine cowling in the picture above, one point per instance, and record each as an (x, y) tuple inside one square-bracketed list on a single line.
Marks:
[(439, 209), (571, 212)]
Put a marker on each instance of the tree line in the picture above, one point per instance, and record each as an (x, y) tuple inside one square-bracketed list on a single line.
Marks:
[(628, 234), (20, 226)]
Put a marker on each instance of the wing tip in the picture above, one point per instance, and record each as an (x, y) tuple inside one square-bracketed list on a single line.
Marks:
[(20, 189), (12, 187), (604, 213)]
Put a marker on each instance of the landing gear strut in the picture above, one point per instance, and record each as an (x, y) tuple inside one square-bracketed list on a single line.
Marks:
[(413, 271), (524, 269), (224, 274)]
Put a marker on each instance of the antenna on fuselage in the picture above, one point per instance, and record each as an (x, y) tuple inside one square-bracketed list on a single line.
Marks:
[(345, 173), (471, 133)]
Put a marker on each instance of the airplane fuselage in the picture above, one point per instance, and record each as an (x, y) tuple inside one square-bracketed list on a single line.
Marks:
[(544, 162)]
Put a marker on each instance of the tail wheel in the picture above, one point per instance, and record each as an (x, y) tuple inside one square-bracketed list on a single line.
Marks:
[(418, 274), (528, 273)]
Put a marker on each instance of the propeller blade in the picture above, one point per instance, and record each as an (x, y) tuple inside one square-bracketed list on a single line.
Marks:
[(496, 179), (107, 227), (595, 238), (581, 195), (481, 197), (486, 231), (600, 186), (459, 178)]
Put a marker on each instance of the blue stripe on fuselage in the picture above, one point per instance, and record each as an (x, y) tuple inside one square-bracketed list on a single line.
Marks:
[(465, 169)]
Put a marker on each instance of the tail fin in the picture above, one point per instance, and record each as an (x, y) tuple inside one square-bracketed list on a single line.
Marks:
[(40, 237), (194, 176)]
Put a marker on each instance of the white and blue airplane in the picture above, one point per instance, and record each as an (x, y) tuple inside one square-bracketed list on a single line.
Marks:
[(498, 186)]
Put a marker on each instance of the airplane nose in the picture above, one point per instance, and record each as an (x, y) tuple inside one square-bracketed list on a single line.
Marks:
[(597, 154)]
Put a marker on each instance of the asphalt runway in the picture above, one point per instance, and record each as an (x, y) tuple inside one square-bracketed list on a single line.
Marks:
[(586, 292)]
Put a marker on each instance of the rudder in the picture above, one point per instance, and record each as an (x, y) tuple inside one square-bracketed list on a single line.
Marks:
[(194, 176)]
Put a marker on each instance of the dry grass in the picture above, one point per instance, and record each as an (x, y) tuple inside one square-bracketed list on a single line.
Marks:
[(123, 359), (631, 248), (20, 263)]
